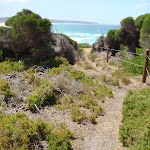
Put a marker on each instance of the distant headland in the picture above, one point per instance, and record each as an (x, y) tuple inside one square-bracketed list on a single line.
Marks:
[(3, 19)]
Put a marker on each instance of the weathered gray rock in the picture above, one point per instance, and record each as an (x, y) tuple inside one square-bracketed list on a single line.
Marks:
[(63, 48), (100, 44)]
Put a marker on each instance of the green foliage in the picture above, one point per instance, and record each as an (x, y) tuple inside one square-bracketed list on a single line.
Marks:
[(92, 118), (117, 34), (120, 73), (72, 42), (135, 128), (30, 20), (60, 139), (97, 109), (9, 66), (139, 21), (3, 30), (126, 20), (111, 34), (74, 74), (5, 89), (29, 33), (43, 96), (57, 61), (1, 53), (145, 32), (84, 45), (137, 60), (18, 132), (90, 103), (77, 115)]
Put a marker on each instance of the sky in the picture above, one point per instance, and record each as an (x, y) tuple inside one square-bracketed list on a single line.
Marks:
[(99, 11)]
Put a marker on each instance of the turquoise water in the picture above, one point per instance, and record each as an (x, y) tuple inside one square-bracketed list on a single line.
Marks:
[(83, 33)]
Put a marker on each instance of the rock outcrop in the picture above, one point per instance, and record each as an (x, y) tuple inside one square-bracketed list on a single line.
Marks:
[(63, 48)]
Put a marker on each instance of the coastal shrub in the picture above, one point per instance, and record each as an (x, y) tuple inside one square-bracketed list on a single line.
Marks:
[(84, 45), (9, 66), (29, 32), (17, 131), (137, 60), (92, 118), (139, 20), (97, 110), (145, 33), (111, 33), (78, 115), (73, 73), (43, 96), (135, 128), (5, 89), (126, 20), (112, 40), (118, 34), (55, 62), (89, 103), (72, 42)]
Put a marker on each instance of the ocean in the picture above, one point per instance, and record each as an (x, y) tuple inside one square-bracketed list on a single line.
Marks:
[(83, 33)]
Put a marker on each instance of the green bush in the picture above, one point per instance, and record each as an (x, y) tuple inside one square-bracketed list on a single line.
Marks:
[(74, 74), (135, 128), (29, 33), (84, 45), (128, 19), (117, 34), (92, 118), (145, 33), (72, 42), (60, 139), (18, 132), (5, 89), (137, 60), (9, 66), (139, 21), (90, 103), (43, 96), (77, 115), (111, 34), (97, 110)]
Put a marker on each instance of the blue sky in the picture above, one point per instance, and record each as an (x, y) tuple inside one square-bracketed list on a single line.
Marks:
[(100, 11)]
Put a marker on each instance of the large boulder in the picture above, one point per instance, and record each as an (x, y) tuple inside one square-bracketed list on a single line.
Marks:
[(64, 48)]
